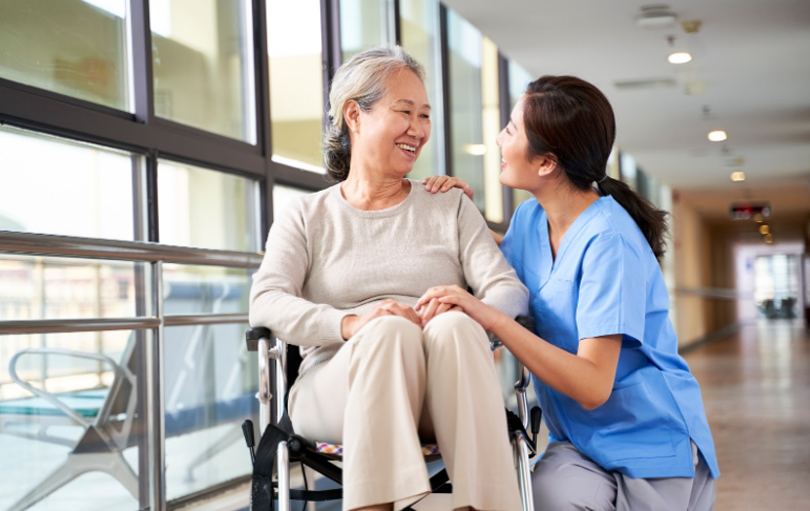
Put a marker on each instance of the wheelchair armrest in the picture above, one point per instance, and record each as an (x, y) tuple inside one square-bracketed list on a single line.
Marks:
[(252, 336)]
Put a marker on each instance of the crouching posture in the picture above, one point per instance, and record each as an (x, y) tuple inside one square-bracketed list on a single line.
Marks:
[(344, 268)]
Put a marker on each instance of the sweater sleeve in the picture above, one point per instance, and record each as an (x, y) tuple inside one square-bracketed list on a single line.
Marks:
[(275, 296), (486, 271)]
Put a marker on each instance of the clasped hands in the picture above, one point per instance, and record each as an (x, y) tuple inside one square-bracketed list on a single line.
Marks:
[(437, 300)]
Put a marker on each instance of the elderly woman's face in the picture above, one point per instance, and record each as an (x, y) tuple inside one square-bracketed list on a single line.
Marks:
[(391, 135)]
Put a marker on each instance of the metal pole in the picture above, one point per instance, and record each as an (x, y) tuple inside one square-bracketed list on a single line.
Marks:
[(156, 429), (283, 460), (264, 395)]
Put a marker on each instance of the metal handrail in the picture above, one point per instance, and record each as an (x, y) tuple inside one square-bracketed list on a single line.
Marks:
[(91, 248)]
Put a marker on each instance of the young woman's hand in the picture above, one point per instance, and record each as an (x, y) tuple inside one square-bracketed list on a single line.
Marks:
[(350, 325), (485, 315), (443, 184), (433, 308)]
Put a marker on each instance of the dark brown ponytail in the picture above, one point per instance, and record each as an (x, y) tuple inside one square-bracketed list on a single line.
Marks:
[(570, 120)]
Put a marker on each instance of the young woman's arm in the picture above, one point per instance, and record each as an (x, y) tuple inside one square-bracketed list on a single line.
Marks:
[(586, 377)]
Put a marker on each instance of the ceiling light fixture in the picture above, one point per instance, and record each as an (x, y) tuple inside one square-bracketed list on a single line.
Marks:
[(476, 149), (738, 176), (717, 136), (679, 57)]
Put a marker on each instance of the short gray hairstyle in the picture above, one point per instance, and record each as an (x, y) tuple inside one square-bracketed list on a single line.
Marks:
[(363, 78)]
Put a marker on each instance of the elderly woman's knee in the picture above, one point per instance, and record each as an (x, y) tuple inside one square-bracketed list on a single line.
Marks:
[(454, 327), (390, 333)]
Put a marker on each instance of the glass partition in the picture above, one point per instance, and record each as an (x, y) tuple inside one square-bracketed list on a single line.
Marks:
[(202, 55), (63, 288), (205, 208), (93, 375), (420, 37), (73, 47), (210, 388), (52, 185), (466, 103), (364, 24), (491, 112), (296, 82)]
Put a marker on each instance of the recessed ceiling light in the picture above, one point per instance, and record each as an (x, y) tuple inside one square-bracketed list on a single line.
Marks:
[(476, 149), (768, 238), (738, 176), (764, 229), (717, 136), (679, 57)]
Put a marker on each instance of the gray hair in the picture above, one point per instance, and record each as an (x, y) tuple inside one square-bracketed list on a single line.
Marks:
[(363, 79)]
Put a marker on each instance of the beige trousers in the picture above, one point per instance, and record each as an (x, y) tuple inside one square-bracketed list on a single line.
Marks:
[(393, 383)]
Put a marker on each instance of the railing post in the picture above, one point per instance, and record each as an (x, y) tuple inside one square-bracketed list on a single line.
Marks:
[(156, 429)]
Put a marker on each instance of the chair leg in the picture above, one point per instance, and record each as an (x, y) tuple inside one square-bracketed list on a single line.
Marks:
[(283, 465), (74, 466), (524, 472)]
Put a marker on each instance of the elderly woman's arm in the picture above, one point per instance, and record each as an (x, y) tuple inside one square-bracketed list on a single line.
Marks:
[(486, 271), (275, 297)]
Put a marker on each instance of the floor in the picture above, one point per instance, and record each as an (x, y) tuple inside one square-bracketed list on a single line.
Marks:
[(756, 389)]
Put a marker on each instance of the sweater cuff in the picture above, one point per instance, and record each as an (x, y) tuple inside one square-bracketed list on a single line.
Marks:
[(329, 326)]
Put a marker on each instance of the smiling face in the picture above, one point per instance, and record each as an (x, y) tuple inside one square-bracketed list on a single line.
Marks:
[(388, 138), (516, 170)]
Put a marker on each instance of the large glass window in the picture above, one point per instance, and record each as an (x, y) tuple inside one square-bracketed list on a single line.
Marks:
[(490, 92), (466, 103), (210, 388), (203, 65), (364, 24), (92, 376), (54, 186), (519, 79), (62, 288), (205, 208), (420, 37), (73, 47), (296, 82)]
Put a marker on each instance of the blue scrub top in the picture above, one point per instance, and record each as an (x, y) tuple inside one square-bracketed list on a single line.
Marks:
[(606, 280)]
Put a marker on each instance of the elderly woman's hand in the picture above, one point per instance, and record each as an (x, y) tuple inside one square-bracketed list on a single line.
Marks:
[(485, 315), (352, 324)]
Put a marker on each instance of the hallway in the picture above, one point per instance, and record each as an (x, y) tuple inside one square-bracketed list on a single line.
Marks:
[(756, 387)]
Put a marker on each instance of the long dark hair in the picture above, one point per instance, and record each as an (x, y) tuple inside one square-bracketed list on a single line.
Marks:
[(571, 121)]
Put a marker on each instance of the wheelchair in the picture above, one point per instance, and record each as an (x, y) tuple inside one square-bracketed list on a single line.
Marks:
[(279, 446)]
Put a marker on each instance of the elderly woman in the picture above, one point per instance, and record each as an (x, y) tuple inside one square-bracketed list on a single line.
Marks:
[(344, 268)]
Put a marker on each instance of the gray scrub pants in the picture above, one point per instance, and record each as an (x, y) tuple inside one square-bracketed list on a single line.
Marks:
[(565, 480)]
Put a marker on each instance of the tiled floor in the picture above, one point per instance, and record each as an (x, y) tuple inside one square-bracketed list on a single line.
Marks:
[(756, 388)]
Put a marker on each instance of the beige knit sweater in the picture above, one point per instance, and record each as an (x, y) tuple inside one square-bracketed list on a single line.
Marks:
[(326, 259)]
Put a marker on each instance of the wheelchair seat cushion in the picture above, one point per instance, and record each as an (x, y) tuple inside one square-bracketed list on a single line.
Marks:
[(337, 450)]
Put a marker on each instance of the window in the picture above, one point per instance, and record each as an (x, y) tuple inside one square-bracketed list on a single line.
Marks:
[(365, 24), (466, 103), (420, 37), (55, 186), (296, 82), (208, 209), (73, 47), (210, 387), (203, 65), (490, 92)]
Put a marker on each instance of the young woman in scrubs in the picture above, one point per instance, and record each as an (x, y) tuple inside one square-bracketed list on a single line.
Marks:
[(627, 426)]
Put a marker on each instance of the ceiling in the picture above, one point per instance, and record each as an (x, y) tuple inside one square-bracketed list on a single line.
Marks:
[(751, 67)]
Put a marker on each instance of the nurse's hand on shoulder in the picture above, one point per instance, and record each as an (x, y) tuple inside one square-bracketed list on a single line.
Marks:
[(443, 184), (350, 325), (485, 315)]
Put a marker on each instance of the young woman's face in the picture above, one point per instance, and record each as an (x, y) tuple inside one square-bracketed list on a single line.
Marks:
[(516, 170), (391, 136)]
